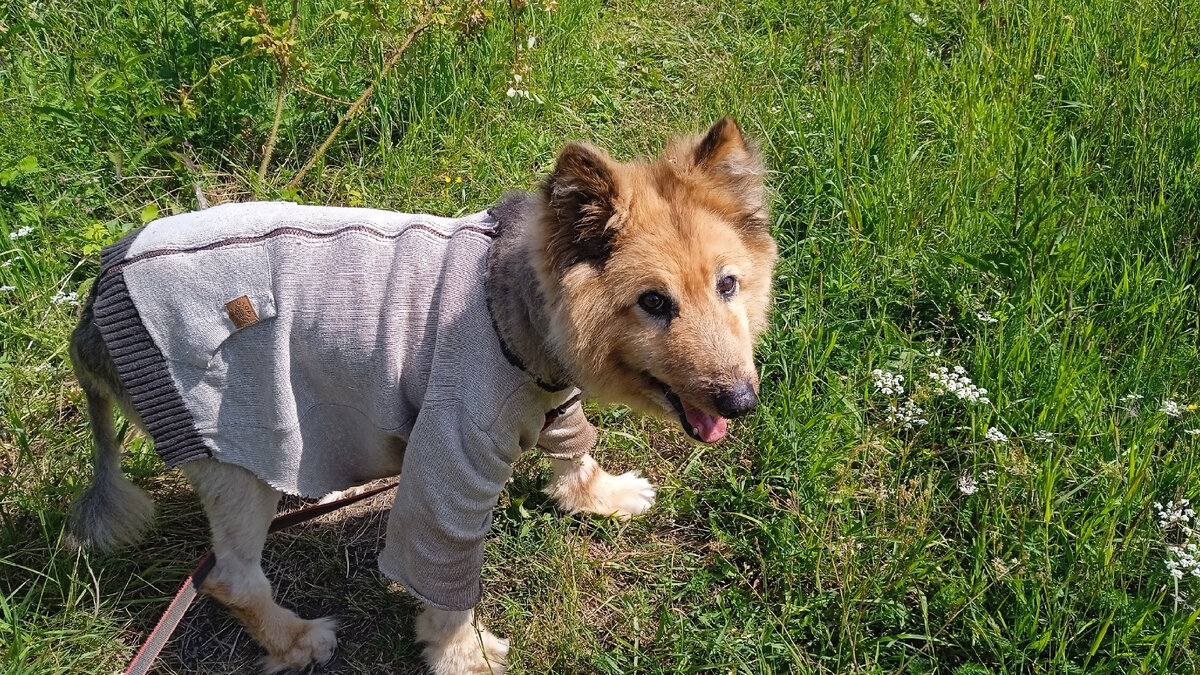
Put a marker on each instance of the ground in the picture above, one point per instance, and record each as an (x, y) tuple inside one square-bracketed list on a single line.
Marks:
[(1006, 188)]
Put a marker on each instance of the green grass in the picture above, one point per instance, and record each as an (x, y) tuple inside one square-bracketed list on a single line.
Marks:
[(1036, 161)]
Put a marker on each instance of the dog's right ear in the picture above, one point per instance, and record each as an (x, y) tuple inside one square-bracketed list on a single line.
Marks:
[(582, 195)]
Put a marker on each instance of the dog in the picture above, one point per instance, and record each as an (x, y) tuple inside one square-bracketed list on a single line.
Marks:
[(271, 347)]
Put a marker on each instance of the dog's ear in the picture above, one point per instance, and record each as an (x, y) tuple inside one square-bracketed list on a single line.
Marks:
[(724, 156), (582, 195)]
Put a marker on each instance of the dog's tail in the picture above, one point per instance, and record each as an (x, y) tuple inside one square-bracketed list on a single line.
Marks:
[(112, 512)]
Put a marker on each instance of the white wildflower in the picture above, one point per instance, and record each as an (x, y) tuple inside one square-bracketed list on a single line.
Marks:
[(65, 298), (918, 19), (45, 367), (1192, 432), (967, 485), (985, 317), (525, 94), (1175, 513), (1177, 521), (24, 231), (5, 289), (888, 383), (907, 415), (1171, 408), (995, 435), (1039, 76), (1043, 437), (1132, 407), (957, 383)]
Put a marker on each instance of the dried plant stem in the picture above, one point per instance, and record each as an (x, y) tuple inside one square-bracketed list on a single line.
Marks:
[(308, 90), (280, 96), (357, 107)]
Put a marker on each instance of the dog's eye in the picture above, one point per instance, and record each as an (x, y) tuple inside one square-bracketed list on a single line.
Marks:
[(727, 286), (654, 303)]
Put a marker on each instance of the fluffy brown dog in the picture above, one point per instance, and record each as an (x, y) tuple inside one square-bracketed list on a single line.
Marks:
[(271, 348)]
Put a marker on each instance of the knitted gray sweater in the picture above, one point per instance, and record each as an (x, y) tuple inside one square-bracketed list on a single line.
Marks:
[(324, 347)]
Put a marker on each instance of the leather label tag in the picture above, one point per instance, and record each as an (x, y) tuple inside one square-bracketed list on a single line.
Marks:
[(241, 312)]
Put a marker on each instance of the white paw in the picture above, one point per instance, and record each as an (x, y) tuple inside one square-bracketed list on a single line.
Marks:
[(310, 642), (467, 652), (582, 486), (628, 495), (332, 497)]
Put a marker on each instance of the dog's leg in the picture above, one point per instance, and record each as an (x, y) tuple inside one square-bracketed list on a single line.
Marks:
[(581, 485), (240, 508), (456, 644)]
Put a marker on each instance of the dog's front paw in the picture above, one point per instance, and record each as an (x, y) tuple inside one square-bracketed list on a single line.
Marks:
[(628, 495), (307, 642), (582, 486), (466, 650)]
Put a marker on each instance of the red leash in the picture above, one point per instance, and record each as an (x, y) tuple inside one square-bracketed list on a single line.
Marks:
[(191, 586)]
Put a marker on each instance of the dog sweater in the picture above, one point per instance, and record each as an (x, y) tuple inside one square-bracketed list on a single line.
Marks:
[(323, 347)]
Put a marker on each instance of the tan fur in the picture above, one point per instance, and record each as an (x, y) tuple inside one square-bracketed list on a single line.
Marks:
[(675, 224)]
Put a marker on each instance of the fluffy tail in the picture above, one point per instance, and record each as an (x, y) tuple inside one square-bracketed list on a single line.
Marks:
[(112, 512)]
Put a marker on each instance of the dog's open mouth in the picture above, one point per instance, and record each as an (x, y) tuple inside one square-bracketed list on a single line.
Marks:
[(696, 423)]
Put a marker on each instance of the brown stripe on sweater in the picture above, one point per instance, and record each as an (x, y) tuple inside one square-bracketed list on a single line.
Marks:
[(289, 230)]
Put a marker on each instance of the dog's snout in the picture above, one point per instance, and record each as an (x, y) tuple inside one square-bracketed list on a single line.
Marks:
[(736, 400)]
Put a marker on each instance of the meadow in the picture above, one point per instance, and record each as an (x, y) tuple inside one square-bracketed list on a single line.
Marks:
[(978, 422)]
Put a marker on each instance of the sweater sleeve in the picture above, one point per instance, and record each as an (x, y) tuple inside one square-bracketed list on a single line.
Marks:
[(570, 436), (451, 479)]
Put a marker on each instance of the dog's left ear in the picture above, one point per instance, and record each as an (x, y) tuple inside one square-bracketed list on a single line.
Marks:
[(724, 155)]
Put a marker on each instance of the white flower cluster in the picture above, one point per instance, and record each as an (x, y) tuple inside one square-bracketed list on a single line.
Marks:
[(888, 383), (1192, 432), (1043, 437), (985, 317), (1171, 408), (995, 435), (956, 382), (908, 415), (1175, 513), (515, 88), (918, 19), (1181, 559), (513, 92), (20, 233), (65, 298), (967, 485), (1132, 407)]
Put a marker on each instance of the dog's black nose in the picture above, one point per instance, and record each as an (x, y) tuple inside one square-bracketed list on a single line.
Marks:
[(736, 400)]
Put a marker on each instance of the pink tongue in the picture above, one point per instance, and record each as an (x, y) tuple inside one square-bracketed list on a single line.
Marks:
[(708, 428)]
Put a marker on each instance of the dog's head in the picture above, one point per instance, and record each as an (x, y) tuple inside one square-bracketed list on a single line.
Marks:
[(658, 275)]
